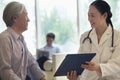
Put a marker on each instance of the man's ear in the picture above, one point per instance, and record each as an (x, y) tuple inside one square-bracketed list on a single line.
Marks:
[(14, 18)]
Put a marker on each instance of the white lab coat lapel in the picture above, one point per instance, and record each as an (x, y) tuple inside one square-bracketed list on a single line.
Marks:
[(103, 39), (105, 36), (94, 39)]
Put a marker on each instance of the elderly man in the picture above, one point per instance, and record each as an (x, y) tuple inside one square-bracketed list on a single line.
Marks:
[(15, 58)]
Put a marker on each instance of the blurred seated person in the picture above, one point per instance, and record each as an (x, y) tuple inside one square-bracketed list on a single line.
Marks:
[(49, 48)]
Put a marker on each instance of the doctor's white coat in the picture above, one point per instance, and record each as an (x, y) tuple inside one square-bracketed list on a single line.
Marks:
[(109, 61)]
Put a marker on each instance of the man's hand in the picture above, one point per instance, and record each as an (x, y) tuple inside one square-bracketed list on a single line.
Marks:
[(43, 78)]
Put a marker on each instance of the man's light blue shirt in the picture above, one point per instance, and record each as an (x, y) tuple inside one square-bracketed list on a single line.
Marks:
[(53, 49)]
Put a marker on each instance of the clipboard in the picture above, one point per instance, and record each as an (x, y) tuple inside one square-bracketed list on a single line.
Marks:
[(73, 62)]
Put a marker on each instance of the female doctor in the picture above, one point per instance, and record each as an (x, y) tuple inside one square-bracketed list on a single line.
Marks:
[(103, 40)]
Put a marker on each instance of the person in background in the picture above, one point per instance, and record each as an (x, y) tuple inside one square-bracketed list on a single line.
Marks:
[(103, 40), (50, 48), (15, 59)]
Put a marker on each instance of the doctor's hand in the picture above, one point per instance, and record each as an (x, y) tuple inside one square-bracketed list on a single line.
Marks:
[(72, 75), (91, 66)]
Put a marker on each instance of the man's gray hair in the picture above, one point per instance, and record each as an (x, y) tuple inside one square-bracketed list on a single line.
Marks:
[(12, 11)]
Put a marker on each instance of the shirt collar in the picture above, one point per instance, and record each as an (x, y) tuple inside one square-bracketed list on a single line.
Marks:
[(14, 34), (49, 46)]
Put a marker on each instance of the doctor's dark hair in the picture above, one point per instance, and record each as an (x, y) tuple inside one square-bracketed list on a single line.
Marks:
[(103, 7)]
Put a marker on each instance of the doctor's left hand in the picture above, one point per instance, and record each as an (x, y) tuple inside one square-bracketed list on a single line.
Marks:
[(72, 75), (91, 66)]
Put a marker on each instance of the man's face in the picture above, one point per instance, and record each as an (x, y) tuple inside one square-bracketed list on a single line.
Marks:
[(22, 21), (49, 41)]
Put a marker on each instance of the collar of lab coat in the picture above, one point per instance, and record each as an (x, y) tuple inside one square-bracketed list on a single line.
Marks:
[(105, 36)]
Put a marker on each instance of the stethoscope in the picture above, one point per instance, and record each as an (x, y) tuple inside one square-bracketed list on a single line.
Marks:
[(112, 48)]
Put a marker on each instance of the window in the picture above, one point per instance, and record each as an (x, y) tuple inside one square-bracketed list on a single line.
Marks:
[(59, 17), (66, 18)]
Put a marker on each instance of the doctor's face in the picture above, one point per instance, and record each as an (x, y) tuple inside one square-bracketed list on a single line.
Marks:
[(95, 18)]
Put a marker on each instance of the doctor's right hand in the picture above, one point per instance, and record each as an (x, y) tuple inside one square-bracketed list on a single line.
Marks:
[(72, 75)]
